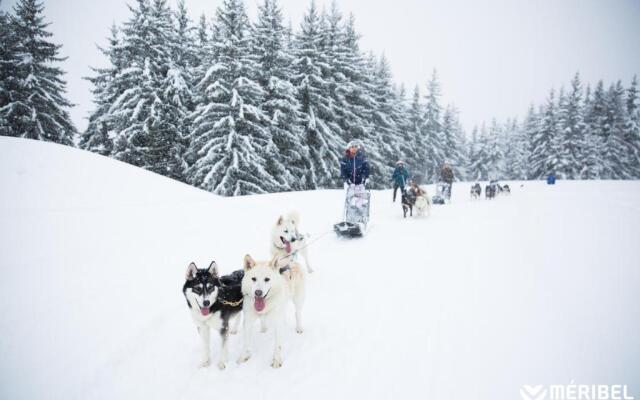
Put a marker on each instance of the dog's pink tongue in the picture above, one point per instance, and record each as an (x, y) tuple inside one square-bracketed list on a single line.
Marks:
[(287, 246), (205, 311), (259, 303)]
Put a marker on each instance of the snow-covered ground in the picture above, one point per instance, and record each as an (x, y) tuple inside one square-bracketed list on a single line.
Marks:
[(482, 297)]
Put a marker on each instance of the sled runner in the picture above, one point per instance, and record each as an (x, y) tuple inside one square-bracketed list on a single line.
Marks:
[(356, 213)]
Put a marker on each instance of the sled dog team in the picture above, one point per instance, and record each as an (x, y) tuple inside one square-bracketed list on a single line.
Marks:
[(261, 291)]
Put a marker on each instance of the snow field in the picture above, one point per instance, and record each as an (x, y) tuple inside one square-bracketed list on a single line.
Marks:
[(473, 302)]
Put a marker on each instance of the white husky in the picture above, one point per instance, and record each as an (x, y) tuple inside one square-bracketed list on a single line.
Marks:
[(423, 205), (267, 287), (287, 241)]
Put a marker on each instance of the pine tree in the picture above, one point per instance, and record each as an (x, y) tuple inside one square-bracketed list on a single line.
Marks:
[(407, 137), (290, 161), (98, 136), (452, 142), (229, 129), (544, 155), (572, 129), (322, 134), (480, 155), (632, 129), (359, 86), (147, 117), (33, 104), (594, 116), (590, 143), (495, 151), (8, 65), (617, 165), (414, 152), (431, 149), (385, 137)]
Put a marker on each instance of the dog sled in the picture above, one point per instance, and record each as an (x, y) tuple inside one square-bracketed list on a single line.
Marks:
[(356, 213), (443, 193)]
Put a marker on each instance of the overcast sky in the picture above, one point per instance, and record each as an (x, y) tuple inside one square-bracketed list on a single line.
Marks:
[(493, 57)]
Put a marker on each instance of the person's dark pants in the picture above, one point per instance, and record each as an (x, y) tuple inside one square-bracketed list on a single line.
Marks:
[(395, 189), (450, 184)]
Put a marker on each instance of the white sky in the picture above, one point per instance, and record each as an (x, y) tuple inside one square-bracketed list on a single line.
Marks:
[(493, 57)]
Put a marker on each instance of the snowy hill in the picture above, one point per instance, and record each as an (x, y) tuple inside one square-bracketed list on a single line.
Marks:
[(473, 302)]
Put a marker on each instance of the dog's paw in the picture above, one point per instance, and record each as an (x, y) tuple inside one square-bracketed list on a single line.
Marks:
[(277, 362), (204, 363), (300, 330), (221, 365), (244, 357), (233, 331)]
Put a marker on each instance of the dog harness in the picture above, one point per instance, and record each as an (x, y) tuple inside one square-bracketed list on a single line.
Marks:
[(231, 303)]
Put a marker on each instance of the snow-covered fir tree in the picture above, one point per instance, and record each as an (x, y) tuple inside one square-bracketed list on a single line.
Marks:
[(32, 98), (320, 131), (98, 135), (409, 122), (147, 117), (453, 145), (616, 160), (230, 131), (479, 155), (358, 88), (431, 132), (289, 163), (8, 63), (590, 144), (544, 157), (572, 130), (632, 128), (494, 151), (412, 147), (385, 136)]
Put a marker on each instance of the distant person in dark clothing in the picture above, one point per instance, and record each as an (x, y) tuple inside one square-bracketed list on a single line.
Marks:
[(446, 175), (400, 178)]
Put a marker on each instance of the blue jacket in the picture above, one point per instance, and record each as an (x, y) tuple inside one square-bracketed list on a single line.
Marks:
[(354, 169), (400, 176)]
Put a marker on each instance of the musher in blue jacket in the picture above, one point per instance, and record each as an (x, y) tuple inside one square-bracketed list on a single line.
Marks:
[(354, 167)]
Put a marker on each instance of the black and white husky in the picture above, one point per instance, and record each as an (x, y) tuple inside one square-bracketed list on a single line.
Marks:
[(213, 301), (476, 191)]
